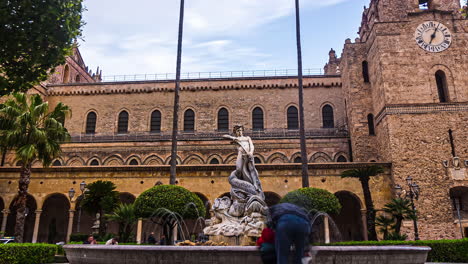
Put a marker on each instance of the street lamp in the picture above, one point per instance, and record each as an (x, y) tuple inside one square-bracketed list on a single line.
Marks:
[(82, 189), (413, 194), (71, 194)]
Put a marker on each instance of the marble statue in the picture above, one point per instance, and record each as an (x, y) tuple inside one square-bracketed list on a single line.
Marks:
[(244, 212)]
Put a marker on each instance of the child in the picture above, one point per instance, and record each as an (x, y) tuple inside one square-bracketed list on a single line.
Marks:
[(266, 243)]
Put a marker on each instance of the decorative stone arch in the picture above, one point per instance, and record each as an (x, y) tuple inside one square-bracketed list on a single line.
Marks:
[(265, 118), (31, 204), (75, 162), (37, 164), (230, 124), (231, 159), (451, 89), (193, 160), (294, 157), (259, 157), (149, 117), (66, 74), (277, 157), (341, 153), (116, 122), (194, 119), (320, 157), (85, 118), (214, 156), (54, 218), (206, 203), (62, 162), (168, 160), (153, 160), (126, 197), (94, 158), (272, 198), (114, 160), (350, 221), (133, 157)]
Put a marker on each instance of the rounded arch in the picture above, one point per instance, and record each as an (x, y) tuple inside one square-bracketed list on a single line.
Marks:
[(36, 164), (153, 160), (66, 74), (451, 92), (168, 160), (341, 157), (296, 158), (77, 78), (75, 162), (123, 121), (277, 157), (214, 156), (231, 159), (194, 160), (320, 157), (189, 121), (31, 207), (114, 160), (349, 220), (206, 203), (90, 124), (126, 197), (133, 160), (258, 118), (155, 120), (223, 119), (54, 219), (292, 117), (94, 161), (328, 115), (272, 198), (58, 162)]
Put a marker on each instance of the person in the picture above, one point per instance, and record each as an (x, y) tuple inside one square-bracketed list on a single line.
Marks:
[(90, 241), (151, 239), (292, 227), (112, 241), (162, 241), (266, 244)]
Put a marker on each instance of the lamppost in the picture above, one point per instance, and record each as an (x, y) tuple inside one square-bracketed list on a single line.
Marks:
[(82, 189), (413, 194)]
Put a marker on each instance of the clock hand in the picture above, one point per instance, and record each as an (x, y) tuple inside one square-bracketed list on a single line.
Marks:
[(434, 34)]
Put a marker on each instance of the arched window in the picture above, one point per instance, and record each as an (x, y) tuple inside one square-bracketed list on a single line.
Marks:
[(297, 159), (155, 122), (122, 126), (257, 119), (214, 161), (341, 158), (94, 162), (370, 124), (327, 117), (223, 120), (91, 123), (442, 90), (189, 121), (66, 74), (133, 162), (78, 78), (365, 71), (293, 118), (57, 163), (257, 160)]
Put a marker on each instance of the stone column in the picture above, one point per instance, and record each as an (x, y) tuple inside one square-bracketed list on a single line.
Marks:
[(71, 214), (327, 229), (139, 230), (5, 212), (36, 226), (364, 224)]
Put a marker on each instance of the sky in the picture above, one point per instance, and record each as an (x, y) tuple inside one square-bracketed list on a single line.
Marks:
[(140, 36)]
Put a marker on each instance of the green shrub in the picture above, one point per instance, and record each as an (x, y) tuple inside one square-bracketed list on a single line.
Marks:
[(314, 200), (79, 237), (171, 197), (442, 250), (27, 253)]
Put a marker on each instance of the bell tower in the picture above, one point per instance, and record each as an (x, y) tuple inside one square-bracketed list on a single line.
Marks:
[(406, 91)]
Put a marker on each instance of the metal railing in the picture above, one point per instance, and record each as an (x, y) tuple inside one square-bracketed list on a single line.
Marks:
[(210, 75), (196, 135)]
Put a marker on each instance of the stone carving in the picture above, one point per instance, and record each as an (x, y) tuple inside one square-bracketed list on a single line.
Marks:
[(244, 212)]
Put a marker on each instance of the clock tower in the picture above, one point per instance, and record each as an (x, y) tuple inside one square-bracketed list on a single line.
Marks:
[(405, 84)]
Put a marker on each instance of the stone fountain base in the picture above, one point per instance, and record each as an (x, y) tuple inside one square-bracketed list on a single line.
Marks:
[(235, 240)]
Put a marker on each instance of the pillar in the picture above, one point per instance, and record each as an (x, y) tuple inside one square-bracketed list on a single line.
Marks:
[(139, 230), (364, 224), (5, 212), (36, 225), (71, 214), (327, 229)]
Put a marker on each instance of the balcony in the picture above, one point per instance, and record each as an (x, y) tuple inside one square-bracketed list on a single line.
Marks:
[(211, 135)]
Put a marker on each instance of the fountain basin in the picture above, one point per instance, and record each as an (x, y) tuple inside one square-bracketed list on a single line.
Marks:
[(101, 254)]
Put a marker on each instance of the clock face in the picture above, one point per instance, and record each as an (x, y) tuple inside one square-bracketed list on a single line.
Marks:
[(433, 36)]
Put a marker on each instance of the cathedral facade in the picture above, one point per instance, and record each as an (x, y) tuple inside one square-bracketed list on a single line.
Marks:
[(397, 97)]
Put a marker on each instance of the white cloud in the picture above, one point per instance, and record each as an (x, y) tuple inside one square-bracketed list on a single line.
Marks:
[(141, 36)]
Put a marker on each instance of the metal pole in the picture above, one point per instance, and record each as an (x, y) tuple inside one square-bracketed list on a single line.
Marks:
[(175, 120), (305, 172), (415, 221), (457, 205)]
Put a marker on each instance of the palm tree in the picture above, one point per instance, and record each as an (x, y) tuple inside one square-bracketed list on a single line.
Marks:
[(34, 133), (305, 169), (100, 197), (175, 120), (386, 224), (125, 215), (400, 209), (364, 174)]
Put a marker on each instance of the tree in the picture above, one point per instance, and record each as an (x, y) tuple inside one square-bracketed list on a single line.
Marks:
[(169, 205), (314, 200), (34, 133), (386, 225), (125, 216), (400, 209), (100, 197), (364, 174), (36, 37), (465, 9)]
